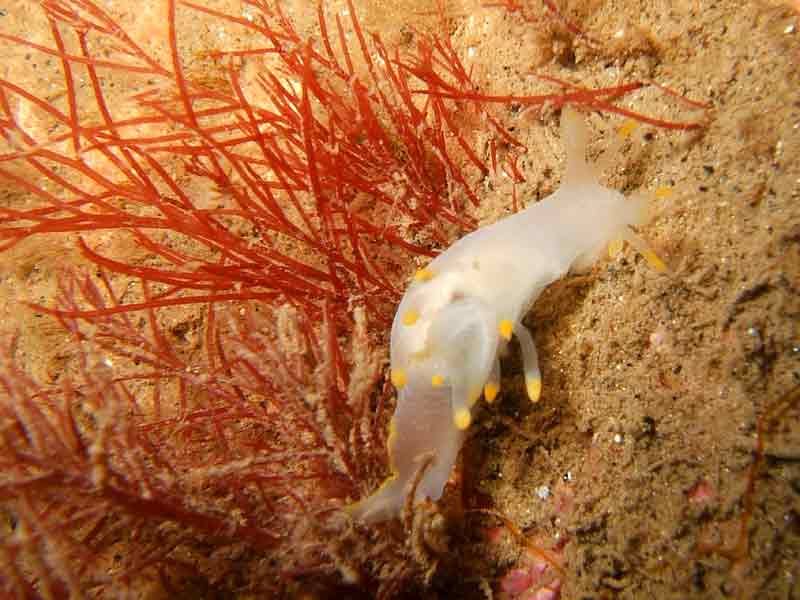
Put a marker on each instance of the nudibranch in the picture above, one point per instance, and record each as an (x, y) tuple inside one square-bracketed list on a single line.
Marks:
[(460, 311)]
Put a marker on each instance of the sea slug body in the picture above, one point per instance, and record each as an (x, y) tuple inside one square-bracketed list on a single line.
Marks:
[(460, 311)]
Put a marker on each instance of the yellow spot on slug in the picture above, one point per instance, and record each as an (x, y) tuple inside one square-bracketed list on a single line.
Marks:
[(399, 378), (423, 275), (627, 128), (662, 192), (462, 418), (410, 317), (437, 380), (506, 328), (534, 387), (615, 247), (654, 261), (490, 391)]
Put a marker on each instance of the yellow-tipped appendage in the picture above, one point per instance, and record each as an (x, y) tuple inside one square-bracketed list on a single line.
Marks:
[(655, 261), (492, 386), (490, 391), (530, 362), (462, 418), (410, 317), (506, 329), (533, 385), (399, 378), (647, 253), (423, 275), (437, 381)]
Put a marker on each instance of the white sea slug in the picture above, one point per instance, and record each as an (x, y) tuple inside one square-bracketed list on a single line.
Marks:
[(461, 310)]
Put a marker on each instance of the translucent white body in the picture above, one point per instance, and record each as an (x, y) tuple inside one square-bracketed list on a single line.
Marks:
[(461, 309)]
